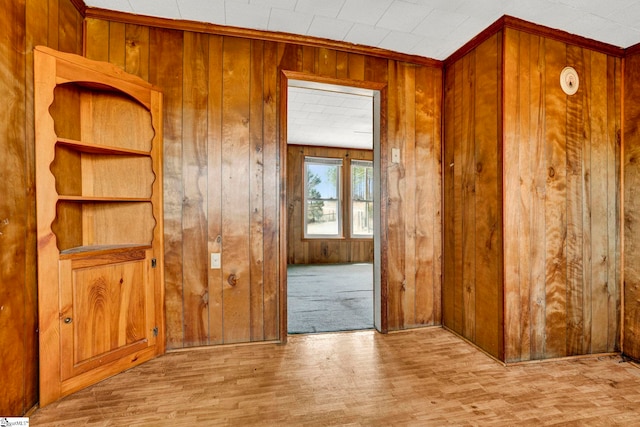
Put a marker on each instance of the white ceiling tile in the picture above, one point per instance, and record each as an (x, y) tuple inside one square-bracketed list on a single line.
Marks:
[(629, 16), (239, 14), (490, 9), (612, 35), (448, 5), (364, 11), (585, 23), (162, 8), (280, 4), (526, 9), (196, 10), (329, 28), (327, 8), (403, 17), (400, 42), (366, 35), (427, 46), (470, 28), (289, 21), (439, 23), (598, 7)]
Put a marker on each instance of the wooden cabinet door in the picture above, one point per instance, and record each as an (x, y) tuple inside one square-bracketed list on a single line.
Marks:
[(107, 312)]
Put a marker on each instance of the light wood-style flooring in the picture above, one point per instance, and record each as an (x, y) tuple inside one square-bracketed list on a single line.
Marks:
[(420, 377)]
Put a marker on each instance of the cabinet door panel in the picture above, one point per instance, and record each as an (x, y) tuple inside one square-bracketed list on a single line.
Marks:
[(105, 312)]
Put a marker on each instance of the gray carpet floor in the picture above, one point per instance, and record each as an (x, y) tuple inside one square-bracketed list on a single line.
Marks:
[(329, 298)]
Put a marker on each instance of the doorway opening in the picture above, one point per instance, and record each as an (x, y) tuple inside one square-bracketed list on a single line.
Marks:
[(332, 144)]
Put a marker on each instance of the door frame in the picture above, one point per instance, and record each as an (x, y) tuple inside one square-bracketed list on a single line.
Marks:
[(380, 287)]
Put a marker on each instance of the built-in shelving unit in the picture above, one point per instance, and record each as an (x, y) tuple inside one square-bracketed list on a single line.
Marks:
[(99, 210)]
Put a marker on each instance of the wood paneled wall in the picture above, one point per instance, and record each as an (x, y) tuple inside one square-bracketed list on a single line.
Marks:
[(472, 284), (561, 204), (631, 328), (321, 251), (25, 24), (222, 165), (532, 185)]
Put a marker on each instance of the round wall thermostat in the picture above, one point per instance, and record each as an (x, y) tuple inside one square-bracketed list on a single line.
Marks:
[(569, 80)]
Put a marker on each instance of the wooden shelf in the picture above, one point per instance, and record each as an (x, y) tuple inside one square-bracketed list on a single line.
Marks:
[(85, 251), (87, 147), (84, 199)]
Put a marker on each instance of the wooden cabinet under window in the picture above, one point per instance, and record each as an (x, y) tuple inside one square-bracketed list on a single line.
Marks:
[(99, 220)]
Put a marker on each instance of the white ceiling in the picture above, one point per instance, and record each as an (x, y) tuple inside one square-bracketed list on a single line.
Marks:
[(429, 28), (330, 116)]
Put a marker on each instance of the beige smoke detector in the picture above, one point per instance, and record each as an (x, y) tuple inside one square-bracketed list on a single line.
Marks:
[(569, 80)]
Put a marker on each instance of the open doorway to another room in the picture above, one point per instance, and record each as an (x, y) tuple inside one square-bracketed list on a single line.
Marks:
[(332, 207)]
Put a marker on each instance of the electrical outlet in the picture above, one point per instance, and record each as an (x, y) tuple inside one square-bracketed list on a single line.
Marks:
[(395, 155), (215, 261)]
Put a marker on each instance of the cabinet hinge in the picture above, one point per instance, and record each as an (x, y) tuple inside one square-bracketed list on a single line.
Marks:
[(153, 263), (155, 331)]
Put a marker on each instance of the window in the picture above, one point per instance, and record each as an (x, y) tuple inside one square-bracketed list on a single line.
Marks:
[(322, 203), (361, 198)]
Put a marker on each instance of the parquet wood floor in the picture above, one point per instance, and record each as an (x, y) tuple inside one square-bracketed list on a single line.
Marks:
[(420, 377)]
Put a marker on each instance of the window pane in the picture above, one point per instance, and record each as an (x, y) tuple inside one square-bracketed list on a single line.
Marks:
[(323, 218), (322, 181), (361, 198), (322, 197)]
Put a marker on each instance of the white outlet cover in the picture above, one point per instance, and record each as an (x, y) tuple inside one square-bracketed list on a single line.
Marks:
[(569, 81)]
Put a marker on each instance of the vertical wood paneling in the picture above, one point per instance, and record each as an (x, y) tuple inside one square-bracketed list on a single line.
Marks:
[(69, 27), (13, 225), (137, 50), (555, 201), (235, 176), (467, 167), (448, 184), (472, 284), (97, 39), (222, 174), (117, 44), (537, 217), (271, 191), (428, 227), (598, 206), (194, 168), (631, 340), (614, 196), (488, 191), (409, 206), (36, 34), (27, 23), (395, 185), (214, 187), (516, 108), (53, 21), (565, 224), (575, 197), (457, 166), (166, 71), (256, 191)]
